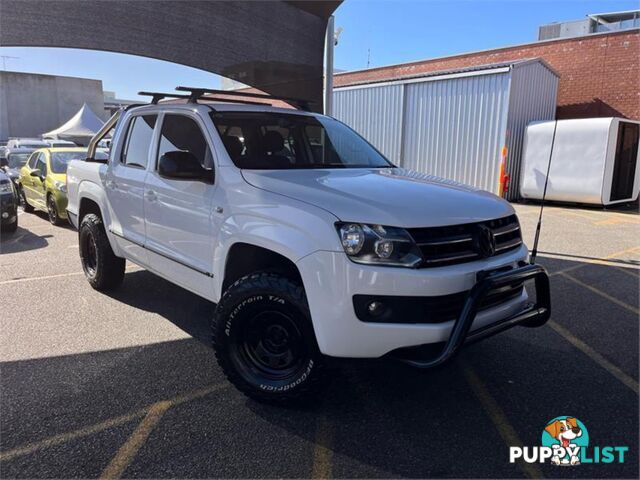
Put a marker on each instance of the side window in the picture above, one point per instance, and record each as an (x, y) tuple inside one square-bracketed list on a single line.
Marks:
[(31, 163), (183, 133), (41, 165), (136, 149)]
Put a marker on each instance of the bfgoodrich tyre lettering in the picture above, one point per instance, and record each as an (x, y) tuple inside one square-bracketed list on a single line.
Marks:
[(264, 340)]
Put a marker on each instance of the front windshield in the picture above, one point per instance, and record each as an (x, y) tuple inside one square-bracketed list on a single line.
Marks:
[(17, 160), (268, 140)]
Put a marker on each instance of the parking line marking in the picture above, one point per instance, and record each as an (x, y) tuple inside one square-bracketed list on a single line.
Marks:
[(499, 419), (105, 425), (66, 437), (585, 262), (602, 294), (595, 356), (322, 452), (136, 440), (47, 277)]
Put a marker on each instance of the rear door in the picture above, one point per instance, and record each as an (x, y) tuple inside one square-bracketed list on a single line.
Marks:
[(180, 229), (124, 184)]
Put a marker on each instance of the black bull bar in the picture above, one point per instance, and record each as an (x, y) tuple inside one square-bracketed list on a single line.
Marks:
[(533, 315)]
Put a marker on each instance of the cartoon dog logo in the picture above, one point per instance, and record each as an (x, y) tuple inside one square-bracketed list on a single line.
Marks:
[(565, 432)]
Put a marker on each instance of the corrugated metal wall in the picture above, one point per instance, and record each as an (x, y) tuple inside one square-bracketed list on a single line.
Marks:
[(534, 93), (376, 114), (455, 128), (454, 125)]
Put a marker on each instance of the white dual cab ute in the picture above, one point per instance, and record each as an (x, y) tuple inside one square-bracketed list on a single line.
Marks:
[(310, 243)]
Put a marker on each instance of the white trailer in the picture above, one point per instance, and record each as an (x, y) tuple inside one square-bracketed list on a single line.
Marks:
[(595, 161)]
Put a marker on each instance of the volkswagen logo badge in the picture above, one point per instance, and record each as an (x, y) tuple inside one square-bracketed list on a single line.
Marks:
[(485, 242)]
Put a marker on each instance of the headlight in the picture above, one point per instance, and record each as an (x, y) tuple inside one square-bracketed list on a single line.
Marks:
[(6, 187), (378, 245), (60, 186)]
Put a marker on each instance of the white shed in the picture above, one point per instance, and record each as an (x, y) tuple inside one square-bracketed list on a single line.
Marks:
[(595, 161)]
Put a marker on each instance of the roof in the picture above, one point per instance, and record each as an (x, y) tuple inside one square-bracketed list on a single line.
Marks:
[(84, 123), (205, 107), (487, 68), (610, 17)]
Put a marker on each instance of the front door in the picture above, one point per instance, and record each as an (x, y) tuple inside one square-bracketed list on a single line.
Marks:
[(124, 184), (33, 181), (181, 230)]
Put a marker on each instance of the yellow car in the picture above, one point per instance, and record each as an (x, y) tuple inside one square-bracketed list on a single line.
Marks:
[(43, 181)]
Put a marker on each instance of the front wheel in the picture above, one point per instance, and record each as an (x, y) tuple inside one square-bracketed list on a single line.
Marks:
[(264, 340), (103, 269)]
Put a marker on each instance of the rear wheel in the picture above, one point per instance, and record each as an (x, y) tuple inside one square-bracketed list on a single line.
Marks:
[(52, 210), (103, 269), (23, 201), (264, 340)]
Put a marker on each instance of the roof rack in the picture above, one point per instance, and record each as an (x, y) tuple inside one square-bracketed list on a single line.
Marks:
[(157, 96), (197, 93)]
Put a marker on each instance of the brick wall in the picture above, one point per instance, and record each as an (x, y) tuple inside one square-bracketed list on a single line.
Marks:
[(599, 74)]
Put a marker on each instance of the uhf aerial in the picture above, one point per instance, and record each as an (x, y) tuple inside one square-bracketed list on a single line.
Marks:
[(534, 252)]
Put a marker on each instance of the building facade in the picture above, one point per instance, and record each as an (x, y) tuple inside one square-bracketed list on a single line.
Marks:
[(31, 104), (599, 73)]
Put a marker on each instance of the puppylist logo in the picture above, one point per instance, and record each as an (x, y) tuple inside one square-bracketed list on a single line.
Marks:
[(565, 442)]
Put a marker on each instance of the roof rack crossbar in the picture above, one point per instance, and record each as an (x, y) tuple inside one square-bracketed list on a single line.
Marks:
[(303, 104), (157, 96)]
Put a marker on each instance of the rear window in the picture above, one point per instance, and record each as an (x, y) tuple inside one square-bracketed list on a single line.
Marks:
[(18, 160)]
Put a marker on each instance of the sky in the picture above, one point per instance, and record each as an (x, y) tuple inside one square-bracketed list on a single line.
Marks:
[(374, 33)]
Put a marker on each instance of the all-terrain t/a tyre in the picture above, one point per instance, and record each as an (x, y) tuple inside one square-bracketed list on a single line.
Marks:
[(103, 269), (264, 340)]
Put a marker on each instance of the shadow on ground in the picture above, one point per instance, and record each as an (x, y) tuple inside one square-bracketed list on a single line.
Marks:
[(21, 240), (379, 418)]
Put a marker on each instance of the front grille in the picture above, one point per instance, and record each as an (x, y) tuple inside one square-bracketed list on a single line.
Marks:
[(437, 309), (455, 244)]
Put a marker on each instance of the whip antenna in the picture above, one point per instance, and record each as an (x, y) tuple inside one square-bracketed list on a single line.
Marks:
[(534, 252)]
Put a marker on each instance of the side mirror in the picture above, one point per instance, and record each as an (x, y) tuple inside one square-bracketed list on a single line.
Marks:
[(4, 162), (36, 173), (181, 165)]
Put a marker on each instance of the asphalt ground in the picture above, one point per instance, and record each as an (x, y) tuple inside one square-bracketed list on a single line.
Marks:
[(125, 385)]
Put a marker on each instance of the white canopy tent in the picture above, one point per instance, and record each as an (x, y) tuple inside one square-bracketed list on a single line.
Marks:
[(79, 128)]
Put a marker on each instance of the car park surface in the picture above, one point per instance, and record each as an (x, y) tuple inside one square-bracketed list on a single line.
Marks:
[(126, 384)]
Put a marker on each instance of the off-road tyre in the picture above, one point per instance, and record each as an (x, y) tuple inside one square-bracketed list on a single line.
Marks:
[(102, 268), (264, 341)]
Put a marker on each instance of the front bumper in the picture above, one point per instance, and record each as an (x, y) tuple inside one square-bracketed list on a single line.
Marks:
[(331, 280), (8, 209), (533, 315), (61, 203)]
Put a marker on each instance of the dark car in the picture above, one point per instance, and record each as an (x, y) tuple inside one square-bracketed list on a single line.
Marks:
[(8, 204), (14, 159)]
